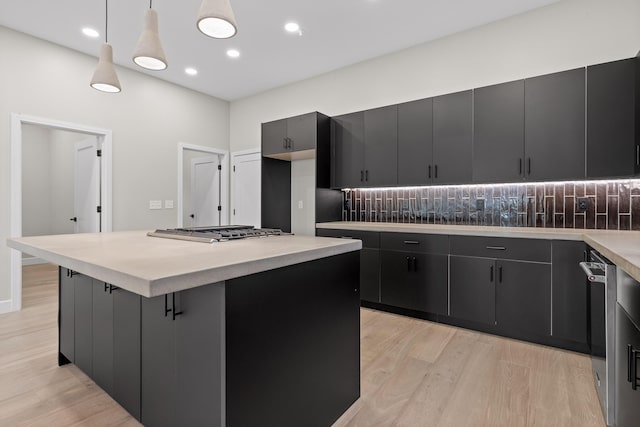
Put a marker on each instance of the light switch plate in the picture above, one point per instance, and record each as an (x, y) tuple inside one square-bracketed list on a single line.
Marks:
[(155, 204), (300, 204), (168, 204)]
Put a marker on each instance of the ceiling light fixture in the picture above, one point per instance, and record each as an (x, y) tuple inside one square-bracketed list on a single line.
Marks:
[(216, 19), (90, 32), (292, 27), (105, 78), (233, 53), (191, 71), (149, 53)]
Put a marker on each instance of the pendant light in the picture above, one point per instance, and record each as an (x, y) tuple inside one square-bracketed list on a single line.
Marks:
[(216, 19), (105, 78), (149, 53)]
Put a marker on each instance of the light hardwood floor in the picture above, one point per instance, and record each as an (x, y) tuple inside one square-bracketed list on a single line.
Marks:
[(414, 373)]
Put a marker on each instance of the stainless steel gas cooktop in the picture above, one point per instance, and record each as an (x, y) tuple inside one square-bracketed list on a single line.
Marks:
[(222, 233)]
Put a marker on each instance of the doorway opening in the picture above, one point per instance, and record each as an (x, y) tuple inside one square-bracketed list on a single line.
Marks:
[(60, 183), (203, 176)]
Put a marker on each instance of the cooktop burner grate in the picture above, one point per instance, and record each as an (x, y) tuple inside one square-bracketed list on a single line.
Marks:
[(214, 234)]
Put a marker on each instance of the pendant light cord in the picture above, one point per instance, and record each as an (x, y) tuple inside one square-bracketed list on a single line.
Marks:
[(150, 1), (106, 21)]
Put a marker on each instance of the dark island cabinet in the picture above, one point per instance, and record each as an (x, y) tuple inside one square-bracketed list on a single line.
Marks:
[(472, 289), (498, 133), (381, 146), (347, 148), (369, 259), (414, 271), (298, 133), (452, 138), (66, 320), (612, 111), (415, 142), (102, 335), (181, 333), (570, 293), (83, 322), (555, 126)]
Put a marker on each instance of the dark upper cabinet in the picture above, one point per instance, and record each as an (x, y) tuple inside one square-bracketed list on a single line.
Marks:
[(347, 148), (282, 138), (498, 133), (555, 126), (612, 146), (415, 142), (452, 138), (381, 146)]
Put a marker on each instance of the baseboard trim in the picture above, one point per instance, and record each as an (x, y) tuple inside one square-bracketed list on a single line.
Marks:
[(33, 261), (6, 306)]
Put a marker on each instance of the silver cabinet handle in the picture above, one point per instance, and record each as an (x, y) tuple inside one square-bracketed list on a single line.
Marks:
[(588, 268), (497, 248), (411, 242)]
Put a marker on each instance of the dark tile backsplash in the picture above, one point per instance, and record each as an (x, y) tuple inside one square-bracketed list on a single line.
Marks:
[(612, 205)]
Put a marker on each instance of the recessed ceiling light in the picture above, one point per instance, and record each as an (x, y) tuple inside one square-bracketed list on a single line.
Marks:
[(233, 53), (90, 32), (292, 27), (191, 71)]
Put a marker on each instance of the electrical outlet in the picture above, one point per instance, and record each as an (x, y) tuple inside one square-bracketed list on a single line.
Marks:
[(480, 204), (582, 204), (155, 204), (168, 204), (300, 204)]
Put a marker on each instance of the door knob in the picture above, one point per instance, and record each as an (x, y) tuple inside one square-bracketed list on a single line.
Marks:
[(192, 216), (74, 219)]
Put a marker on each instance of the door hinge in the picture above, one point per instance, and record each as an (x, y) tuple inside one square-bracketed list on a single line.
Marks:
[(234, 211), (219, 208), (234, 168), (219, 167), (99, 209), (99, 153)]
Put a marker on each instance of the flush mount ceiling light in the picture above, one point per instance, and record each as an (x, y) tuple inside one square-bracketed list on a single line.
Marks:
[(105, 78), (292, 27), (233, 53), (149, 53), (191, 71), (216, 19), (90, 32)]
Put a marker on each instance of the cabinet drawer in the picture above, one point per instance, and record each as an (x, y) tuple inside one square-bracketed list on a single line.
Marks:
[(501, 247), (414, 242), (370, 239)]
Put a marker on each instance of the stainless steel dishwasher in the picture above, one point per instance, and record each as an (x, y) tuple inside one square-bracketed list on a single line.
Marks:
[(601, 274)]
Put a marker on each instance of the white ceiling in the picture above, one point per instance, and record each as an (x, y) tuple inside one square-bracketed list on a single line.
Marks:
[(336, 33)]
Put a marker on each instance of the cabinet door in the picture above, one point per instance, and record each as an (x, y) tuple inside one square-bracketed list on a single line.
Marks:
[(126, 350), (570, 292), (102, 335), (381, 146), (611, 118), (347, 150), (627, 409), (414, 281), (554, 126), (199, 356), (523, 297), (472, 289), (415, 142), (67, 311), (274, 137), (370, 275), (83, 320), (452, 138), (158, 387), (498, 133), (302, 132)]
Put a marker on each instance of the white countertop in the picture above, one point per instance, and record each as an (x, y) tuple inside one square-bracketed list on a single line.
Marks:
[(151, 266), (621, 247)]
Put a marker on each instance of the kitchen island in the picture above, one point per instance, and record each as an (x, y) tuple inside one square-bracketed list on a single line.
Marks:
[(260, 331)]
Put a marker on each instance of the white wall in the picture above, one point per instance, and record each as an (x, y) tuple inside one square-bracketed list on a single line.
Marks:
[(148, 119), (565, 35), (303, 189), (36, 182)]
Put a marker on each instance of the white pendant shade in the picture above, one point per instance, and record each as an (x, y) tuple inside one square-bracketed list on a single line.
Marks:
[(216, 19), (149, 53), (105, 78)]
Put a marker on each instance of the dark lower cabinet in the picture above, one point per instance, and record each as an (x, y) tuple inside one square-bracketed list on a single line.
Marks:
[(415, 281), (83, 323), (182, 357), (523, 297), (370, 275), (472, 289), (102, 335), (627, 354), (66, 317), (570, 293)]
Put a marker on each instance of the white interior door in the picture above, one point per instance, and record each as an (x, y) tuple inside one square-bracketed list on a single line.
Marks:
[(86, 191), (205, 191), (246, 189)]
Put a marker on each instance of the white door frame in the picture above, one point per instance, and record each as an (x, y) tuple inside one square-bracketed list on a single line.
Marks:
[(234, 161), (105, 138), (224, 179)]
